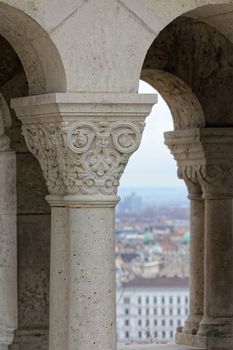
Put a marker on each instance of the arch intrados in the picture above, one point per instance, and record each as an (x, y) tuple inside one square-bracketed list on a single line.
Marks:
[(185, 108), (38, 54), (148, 13)]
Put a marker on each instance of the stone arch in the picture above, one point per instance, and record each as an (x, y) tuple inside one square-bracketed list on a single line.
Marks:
[(155, 16), (185, 108), (201, 57), (38, 54)]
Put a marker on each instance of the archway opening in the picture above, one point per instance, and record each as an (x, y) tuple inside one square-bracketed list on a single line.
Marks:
[(152, 235)]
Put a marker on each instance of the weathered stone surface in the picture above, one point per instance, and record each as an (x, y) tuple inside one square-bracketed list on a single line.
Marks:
[(33, 270), (31, 188), (202, 57)]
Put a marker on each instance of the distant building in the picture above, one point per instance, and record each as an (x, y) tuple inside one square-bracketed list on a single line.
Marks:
[(150, 309), (131, 204)]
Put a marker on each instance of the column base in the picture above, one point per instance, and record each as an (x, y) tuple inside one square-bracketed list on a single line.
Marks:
[(215, 343), (191, 325), (189, 339), (36, 339), (205, 342)]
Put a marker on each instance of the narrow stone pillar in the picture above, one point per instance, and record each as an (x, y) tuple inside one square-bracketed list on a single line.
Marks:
[(206, 155), (92, 293), (186, 335), (83, 143), (216, 328), (8, 245), (59, 273), (196, 298)]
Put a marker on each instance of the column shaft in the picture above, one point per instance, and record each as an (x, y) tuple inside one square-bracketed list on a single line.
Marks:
[(218, 309), (59, 278), (8, 246), (92, 315), (196, 265)]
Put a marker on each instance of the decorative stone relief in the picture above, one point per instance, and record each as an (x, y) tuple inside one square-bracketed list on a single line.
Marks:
[(39, 139), (205, 160), (215, 180), (85, 157)]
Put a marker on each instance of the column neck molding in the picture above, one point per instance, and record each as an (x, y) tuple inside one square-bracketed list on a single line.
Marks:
[(205, 159), (83, 141)]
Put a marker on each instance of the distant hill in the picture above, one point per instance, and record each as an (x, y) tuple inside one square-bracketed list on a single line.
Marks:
[(157, 195)]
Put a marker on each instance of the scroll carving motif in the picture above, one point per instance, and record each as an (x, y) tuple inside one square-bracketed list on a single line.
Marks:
[(39, 140), (215, 180), (83, 157)]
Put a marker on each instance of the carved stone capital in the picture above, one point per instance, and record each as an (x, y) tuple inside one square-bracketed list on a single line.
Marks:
[(205, 159), (84, 147)]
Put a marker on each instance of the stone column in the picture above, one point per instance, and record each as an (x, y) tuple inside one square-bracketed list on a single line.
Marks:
[(92, 294), (59, 273), (216, 328), (196, 298), (8, 245), (176, 141), (209, 159), (83, 143)]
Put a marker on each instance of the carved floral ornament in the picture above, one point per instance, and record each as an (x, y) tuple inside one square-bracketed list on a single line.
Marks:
[(216, 180), (86, 158), (205, 160)]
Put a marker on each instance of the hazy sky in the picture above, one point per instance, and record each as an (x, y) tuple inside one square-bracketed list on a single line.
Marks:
[(152, 164)]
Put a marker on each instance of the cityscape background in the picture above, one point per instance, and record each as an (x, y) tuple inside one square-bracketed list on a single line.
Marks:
[(152, 239)]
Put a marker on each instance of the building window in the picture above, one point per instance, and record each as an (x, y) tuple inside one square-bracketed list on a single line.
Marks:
[(147, 322), (171, 334), (139, 335), (139, 311), (171, 322), (163, 300), (148, 334), (186, 300), (170, 311), (147, 312), (163, 311), (178, 311), (126, 322), (170, 300), (163, 323), (178, 300), (163, 334), (126, 300), (127, 334), (126, 311), (155, 322), (186, 311), (178, 322), (155, 334), (155, 311), (155, 300), (147, 300), (139, 322), (139, 300)]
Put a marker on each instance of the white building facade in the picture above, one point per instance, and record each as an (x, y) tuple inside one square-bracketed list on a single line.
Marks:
[(149, 310)]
